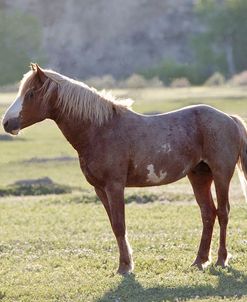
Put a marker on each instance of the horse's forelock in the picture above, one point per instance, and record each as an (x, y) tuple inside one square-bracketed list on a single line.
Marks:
[(32, 80), (27, 81)]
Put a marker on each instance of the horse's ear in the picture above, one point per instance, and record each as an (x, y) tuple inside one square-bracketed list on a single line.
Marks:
[(33, 66), (40, 73)]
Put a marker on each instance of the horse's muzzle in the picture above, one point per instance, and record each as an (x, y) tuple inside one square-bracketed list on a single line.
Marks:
[(12, 125)]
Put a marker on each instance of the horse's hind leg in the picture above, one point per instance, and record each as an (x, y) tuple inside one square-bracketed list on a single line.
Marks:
[(201, 179), (222, 192)]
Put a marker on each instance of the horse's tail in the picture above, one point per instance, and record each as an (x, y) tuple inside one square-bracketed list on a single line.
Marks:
[(242, 162)]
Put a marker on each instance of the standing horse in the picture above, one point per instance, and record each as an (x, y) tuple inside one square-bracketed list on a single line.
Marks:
[(119, 148)]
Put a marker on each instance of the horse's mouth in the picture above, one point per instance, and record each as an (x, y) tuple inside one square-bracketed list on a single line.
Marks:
[(15, 132), (12, 126)]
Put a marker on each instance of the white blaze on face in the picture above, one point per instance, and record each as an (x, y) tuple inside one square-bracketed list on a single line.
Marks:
[(14, 110), (153, 177)]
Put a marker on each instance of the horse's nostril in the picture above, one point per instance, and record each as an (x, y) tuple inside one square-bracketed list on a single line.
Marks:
[(12, 125), (5, 125)]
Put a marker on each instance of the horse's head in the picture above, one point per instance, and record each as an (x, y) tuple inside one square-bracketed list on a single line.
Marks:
[(28, 107)]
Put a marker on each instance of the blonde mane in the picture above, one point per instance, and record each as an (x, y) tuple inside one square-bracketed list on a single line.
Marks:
[(75, 98)]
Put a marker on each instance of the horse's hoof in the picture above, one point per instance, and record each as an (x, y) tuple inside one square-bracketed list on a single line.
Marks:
[(201, 265), (223, 262), (125, 269)]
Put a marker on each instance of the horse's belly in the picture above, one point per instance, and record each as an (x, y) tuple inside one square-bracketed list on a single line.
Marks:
[(152, 175)]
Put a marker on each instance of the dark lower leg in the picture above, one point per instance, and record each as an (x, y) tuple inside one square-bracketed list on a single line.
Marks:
[(201, 180), (222, 190), (203, 256), (222, 252)]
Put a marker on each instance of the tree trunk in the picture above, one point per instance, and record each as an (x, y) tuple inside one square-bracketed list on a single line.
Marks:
[(230, 57)]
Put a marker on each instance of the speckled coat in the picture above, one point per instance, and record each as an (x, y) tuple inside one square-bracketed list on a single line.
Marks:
[(133, 150)]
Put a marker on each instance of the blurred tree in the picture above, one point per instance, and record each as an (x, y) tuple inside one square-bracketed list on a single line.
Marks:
[(168, 70), (222, 46), (20, 43)]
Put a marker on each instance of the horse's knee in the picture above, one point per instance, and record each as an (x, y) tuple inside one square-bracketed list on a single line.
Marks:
[(209, 220), (208, 216), (223, 216), (118, 229)]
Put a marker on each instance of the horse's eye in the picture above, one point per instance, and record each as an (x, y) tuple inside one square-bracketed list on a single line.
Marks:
[(31, 94)]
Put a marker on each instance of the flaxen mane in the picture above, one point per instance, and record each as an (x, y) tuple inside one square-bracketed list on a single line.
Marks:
[(76, 98)]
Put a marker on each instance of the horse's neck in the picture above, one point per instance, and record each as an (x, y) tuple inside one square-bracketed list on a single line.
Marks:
[(77, 132)]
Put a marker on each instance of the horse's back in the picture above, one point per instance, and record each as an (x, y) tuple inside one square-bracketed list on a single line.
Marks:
[(166, 147)]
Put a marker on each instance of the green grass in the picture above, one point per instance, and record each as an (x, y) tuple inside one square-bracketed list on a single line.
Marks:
[(61, 247), (55, 249)]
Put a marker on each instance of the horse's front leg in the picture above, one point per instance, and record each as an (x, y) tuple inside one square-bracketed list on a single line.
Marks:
[(103, 197), (115, 197)]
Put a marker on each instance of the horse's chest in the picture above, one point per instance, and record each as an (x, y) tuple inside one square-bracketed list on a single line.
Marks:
[(93, 178)]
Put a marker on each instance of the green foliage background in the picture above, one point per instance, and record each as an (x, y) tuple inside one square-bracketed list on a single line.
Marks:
[(20, 37), (220, 46), (225, 28)]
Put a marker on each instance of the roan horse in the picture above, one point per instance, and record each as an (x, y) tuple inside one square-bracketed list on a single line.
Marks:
[(119, 148)]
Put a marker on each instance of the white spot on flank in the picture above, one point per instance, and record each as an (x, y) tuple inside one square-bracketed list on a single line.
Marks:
[(153, 177), (166, 148), (14, 109)]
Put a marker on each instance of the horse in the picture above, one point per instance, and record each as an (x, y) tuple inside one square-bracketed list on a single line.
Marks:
[(120, 148)]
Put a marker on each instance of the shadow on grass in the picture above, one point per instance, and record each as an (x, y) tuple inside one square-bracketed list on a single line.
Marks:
[(7, 137), (231, 283), (2, 295)]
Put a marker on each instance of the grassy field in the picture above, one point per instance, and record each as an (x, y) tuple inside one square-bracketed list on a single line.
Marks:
[(61, 247)]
